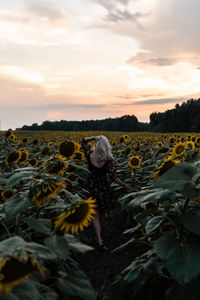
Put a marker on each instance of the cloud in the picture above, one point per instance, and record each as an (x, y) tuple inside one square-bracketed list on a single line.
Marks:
[(46, 10), (160, 61), (160, 101)]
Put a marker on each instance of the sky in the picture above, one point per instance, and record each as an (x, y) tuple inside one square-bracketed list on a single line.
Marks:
[(96, 59)]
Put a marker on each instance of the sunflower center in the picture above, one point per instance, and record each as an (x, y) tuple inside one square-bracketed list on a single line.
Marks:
[(179, 149), (134, 161), (79, 215), (14, 270), (13, 156), (67, 149)]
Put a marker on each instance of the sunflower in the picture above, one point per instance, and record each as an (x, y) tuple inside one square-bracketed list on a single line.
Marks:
[(165, 166), (45, 151), (33, 162), (14, 269), (8, 133), (25, 140), (11, 137), (67, 149), (35, 142), (137, 149), (163, 150), (160, 144), (198, 141), (13, 157), (178, 150), (5, 195), (135, 162), (172, 140), (78, 156), (41, 192), (122, 139), (24, 156), (193, 139), (56, 164), (127, 151), (80, 216), (190, 145)]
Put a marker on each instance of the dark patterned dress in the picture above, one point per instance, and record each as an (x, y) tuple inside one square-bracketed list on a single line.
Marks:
[(99, 180)]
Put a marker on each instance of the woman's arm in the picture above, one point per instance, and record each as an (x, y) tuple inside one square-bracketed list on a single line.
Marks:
[(128, 187)]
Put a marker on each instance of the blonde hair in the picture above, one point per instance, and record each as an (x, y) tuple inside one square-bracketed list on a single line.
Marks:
[(102, 149)]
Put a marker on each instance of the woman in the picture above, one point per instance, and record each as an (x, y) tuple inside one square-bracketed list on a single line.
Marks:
[(100, 165)]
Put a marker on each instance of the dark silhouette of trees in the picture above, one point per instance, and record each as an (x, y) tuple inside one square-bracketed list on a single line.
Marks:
[(124, 123), (182, 118)]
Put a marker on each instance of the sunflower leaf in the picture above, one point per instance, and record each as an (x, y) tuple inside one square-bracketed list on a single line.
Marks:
[(59, 245), (75, 245), (77, 284), (18, 178), (17, 204), (179, 179), (26, 290), (153, 224), (39, 225)]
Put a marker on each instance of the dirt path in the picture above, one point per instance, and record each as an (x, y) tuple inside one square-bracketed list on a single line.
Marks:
[(101, 267)]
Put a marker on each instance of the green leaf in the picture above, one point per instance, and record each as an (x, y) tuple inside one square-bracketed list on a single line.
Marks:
[(26, 290), (179, 179), (153, 224), (39, 225), (8, 296), (182, 260), (59, 244), (188, 291), (18, 245), (191, 221), (76, 284), (17, 204), (75, 245), (150, 195), (17, 178)]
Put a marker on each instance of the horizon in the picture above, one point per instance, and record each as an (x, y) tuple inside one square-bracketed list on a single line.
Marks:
[(96, 59)]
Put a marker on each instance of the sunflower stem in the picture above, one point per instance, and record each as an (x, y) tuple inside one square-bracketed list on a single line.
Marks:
[(38, 212), (18, 222)]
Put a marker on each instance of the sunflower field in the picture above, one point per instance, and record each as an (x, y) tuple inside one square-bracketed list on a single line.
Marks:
[(45, 212)]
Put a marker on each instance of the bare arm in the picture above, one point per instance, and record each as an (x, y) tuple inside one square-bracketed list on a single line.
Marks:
[(128, 187)]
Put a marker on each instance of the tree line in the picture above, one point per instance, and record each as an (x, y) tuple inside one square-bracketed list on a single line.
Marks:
[(182, 118), (124, 123)]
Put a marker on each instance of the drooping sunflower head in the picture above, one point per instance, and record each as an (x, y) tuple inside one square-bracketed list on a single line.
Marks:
[(67, 149), (43, 190), (178, 150), (14, 269), (45, 151), (78, 218), (13, 157), (165, 166), (24, 156), (33, 162), (56, 164), (190, 145), (135, 162)]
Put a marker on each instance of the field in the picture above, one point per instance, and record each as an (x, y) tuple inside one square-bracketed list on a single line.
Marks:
[(47, 243)]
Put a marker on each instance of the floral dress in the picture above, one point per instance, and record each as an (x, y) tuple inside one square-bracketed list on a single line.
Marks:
[(99, 180)]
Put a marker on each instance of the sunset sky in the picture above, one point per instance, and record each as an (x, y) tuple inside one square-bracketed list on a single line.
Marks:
[(95, 59)]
